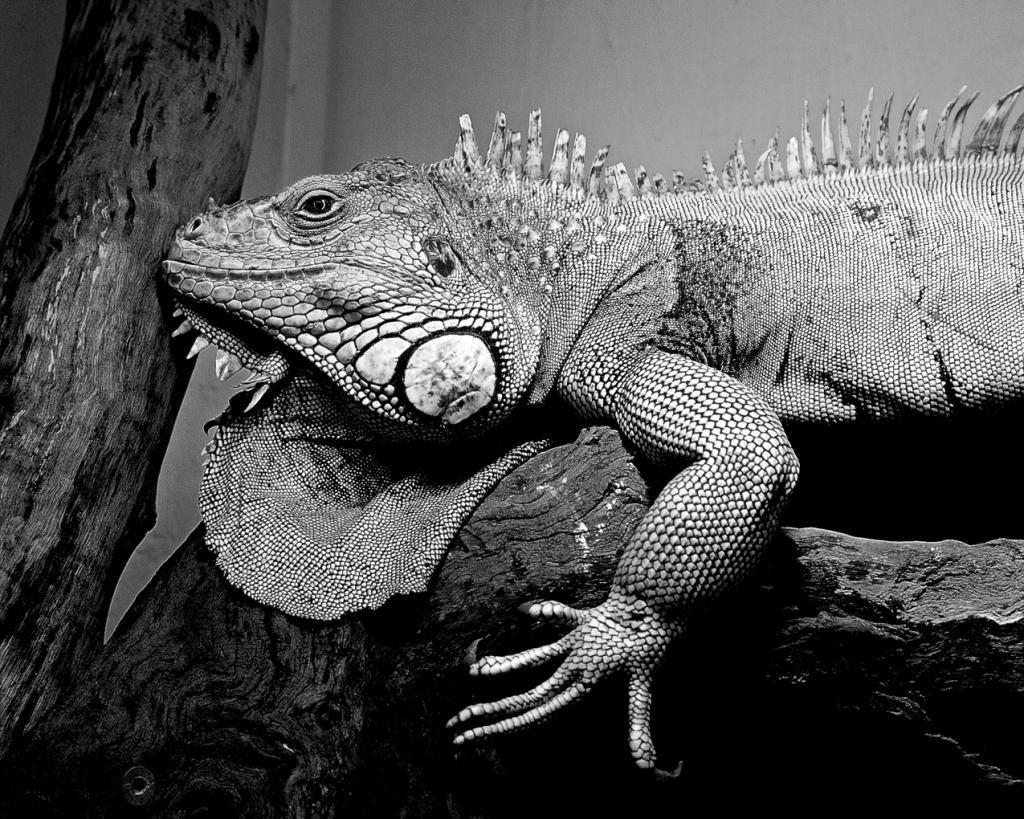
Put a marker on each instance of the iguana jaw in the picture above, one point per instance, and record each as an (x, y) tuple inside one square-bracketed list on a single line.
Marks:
[(422, 369), (238, 347)]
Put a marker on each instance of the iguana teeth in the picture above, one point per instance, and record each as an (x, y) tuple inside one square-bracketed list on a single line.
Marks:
[(227, 364), (216, 421), (256, 377), (257, 396), (184, 327), (177, 312), (198, 346)]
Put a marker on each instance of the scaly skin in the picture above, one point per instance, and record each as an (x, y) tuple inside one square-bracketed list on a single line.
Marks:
[(430, 304)]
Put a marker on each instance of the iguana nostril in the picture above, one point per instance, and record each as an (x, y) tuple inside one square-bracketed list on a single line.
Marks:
[(194, 229)]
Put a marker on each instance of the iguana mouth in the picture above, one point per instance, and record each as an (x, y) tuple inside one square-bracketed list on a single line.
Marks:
[(238, 347)]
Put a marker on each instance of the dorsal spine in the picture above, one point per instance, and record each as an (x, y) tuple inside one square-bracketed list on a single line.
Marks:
[(611, 183)]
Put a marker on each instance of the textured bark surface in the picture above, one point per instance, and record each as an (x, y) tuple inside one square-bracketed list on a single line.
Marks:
[(151, 111), (847, 669)]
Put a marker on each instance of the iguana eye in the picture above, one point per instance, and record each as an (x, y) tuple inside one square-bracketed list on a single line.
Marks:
[(318, 205)]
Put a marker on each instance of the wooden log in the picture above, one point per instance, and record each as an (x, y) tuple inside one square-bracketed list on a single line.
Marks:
[(152, 110), (847, 666)]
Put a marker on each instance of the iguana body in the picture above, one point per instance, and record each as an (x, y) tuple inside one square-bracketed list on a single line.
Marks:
[(437, 303)]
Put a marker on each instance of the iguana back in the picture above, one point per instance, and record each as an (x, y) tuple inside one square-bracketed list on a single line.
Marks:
[(883, 293)]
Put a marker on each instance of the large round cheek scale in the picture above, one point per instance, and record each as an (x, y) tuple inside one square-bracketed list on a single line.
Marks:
[(378, 362), (452, 376)]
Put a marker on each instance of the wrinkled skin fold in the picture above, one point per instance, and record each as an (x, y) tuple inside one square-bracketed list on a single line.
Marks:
[(373, 520)]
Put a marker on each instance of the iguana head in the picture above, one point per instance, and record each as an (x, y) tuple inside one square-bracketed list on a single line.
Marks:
[(374, 278), (369, 312)]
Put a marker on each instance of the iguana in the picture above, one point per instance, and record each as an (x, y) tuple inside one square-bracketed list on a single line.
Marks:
[(398, 317)]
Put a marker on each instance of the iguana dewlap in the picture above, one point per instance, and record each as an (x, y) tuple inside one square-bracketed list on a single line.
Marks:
[(402, 314)]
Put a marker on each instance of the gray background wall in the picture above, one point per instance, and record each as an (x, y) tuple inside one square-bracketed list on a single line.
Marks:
[(661, 81)]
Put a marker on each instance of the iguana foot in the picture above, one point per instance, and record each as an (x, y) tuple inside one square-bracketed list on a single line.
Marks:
[(620, 634)]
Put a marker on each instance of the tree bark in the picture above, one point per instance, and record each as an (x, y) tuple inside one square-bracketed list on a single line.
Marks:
[(152, 110), (847, 667)]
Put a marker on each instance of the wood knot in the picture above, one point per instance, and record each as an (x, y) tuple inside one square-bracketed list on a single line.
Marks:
[(138, 785)]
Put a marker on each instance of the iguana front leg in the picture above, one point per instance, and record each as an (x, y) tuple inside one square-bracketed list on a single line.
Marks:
[(702, 535)]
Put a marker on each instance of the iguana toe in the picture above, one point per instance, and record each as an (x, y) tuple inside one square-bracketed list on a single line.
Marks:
[(515, 703), (641, 746), (554, 611), (537, 714), (524, 659)]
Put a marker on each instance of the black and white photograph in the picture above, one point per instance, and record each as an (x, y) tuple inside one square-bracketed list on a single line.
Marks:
[(500, 408)]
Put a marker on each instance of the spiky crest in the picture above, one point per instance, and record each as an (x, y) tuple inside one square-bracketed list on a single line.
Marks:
[(829, 160), (612, 182), (903, 133)]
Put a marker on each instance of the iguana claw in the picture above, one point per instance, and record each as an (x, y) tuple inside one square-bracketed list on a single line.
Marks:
[(620, 634), (661, 775), (470, 654)]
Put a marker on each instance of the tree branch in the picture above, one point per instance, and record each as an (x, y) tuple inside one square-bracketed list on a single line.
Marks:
[(152, 110), (846, 661)]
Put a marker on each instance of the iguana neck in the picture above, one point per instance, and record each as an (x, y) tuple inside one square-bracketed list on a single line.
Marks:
[(558, 259)]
